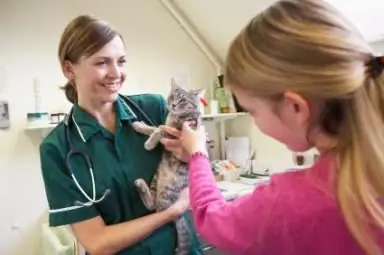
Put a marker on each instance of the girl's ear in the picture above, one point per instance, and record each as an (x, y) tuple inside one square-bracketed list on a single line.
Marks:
[(298, 106)]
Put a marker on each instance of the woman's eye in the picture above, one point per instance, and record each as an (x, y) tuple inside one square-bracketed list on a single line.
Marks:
[(100, 63)]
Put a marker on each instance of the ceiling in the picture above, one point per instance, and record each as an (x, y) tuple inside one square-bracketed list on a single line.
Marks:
[(218, 21)]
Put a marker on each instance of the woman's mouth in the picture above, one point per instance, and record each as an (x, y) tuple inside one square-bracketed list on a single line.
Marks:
[(112, 86)]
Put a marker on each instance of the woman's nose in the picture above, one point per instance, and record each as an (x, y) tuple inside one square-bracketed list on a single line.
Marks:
[(114, 71)]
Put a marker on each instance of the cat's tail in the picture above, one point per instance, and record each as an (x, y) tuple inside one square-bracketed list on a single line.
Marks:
[(183, 236)]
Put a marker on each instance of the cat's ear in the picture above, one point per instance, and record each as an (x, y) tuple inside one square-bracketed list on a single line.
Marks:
[(199, 92), (174, 85)]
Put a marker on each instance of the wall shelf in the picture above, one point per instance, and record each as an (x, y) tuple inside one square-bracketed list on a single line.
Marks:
[(43, 128), (40, 126), (223, 116)]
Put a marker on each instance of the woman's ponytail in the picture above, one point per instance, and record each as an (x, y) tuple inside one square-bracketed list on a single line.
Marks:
[(70, 92)]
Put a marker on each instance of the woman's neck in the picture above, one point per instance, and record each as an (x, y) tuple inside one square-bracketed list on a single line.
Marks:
[(104, 113)]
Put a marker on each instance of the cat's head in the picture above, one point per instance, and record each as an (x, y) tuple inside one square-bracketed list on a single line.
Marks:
[(182, 101)]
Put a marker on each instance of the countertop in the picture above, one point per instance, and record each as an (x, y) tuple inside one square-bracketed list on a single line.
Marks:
[(232, 190)]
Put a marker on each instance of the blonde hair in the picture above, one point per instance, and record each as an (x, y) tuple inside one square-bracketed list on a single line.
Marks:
[(82, 37), (308, 47)]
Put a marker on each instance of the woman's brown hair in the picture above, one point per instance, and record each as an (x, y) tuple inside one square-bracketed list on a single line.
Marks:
[(83, 36), (308, 47)]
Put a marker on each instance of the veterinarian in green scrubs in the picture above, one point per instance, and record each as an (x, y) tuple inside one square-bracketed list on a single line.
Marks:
[(98, 197)]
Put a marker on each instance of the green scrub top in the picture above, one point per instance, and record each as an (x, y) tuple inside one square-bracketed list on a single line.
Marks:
[(118, 160)]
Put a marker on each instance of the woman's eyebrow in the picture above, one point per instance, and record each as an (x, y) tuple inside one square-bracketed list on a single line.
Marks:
[(109, 57)]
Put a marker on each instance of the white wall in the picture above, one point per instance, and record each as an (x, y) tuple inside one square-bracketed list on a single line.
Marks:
[(157, 49), (219, 21), (378, 47)]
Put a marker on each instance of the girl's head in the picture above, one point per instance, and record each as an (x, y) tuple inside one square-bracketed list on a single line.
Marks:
[(92, 56), (306, 76)]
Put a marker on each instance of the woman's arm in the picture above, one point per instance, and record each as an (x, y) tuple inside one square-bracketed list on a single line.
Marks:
[(99, 239)]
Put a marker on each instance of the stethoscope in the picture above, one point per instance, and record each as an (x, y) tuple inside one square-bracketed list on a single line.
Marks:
[(73, 151)]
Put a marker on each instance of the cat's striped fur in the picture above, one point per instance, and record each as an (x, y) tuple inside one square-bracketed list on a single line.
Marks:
[(171, 176)]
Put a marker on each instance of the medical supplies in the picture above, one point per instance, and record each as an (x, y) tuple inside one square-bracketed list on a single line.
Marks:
[(226, 170)]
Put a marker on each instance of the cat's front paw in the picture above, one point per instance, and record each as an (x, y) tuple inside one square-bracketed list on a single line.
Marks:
[(141, 185), (138, 126), (149, 145)]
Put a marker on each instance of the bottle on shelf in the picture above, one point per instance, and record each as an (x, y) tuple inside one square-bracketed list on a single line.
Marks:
[(299, 159), (221, 95)]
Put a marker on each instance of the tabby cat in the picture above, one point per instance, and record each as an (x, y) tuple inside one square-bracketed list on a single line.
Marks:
[(171, 176)]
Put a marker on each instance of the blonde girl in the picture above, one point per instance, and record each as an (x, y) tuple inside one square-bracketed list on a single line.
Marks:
[(308, 79)]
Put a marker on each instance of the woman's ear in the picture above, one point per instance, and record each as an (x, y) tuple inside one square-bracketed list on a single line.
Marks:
[(68, 70), (298, 106)]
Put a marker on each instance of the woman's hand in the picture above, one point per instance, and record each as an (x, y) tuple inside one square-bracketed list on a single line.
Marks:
[(181, 205)]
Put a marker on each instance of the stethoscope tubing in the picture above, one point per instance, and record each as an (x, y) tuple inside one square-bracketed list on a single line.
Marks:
[(73, 151)]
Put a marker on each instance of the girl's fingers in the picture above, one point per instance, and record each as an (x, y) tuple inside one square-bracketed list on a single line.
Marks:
[(170, 130), (170, 143)]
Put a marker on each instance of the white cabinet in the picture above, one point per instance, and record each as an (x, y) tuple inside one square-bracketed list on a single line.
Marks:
[(219, 120)]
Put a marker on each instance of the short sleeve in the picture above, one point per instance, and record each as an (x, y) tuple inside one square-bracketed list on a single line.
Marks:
[(163, 109), (60, 189)]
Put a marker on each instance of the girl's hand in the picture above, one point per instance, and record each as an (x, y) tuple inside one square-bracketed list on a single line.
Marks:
[(174, 145), (186, 142), (193, 140)]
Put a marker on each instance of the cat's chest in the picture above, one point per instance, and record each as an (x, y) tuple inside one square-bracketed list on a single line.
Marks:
[(178, 122), (172, 170), (174, 122), (169, 163)]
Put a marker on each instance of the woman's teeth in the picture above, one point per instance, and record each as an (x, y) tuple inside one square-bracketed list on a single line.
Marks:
[(112, 85)]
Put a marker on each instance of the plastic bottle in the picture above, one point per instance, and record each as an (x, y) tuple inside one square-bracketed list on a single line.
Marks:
[(221, 95), (37, 94)]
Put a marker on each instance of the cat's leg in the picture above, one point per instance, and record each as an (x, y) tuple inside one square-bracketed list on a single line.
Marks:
[(183, 236), (153, 133), (143, 128), (153, 185), (146, 195), (153, 140)]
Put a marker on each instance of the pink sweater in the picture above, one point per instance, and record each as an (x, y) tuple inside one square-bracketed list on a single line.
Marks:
[(295, 213)]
